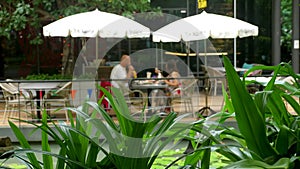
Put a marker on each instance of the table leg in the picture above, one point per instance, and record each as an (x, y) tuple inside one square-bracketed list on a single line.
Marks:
[(39, 102), (157, 99)]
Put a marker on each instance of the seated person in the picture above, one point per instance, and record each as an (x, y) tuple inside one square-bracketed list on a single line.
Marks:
[(173, 82), (122, 72)]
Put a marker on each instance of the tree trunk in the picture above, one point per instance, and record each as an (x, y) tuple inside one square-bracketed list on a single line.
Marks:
[(68, 57)]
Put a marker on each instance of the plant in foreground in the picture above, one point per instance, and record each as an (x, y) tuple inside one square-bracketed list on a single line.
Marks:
[(268, 135), (132, 143)]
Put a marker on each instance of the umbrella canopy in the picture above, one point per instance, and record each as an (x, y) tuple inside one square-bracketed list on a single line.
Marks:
[(96, 24), (203, 26)]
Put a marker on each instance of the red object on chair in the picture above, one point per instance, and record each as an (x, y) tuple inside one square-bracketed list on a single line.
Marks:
[(107, 85)]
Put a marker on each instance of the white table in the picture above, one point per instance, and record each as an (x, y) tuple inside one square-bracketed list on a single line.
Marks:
[(148, 87), (237, 69), (40, 88), (265, 80), (39, 85)]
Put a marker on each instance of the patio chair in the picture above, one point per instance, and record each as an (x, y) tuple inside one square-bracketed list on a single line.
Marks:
[(215, 78), (15, 99), (104, 102), (184, 95), (16, 87), (59, 98), (136, 98)]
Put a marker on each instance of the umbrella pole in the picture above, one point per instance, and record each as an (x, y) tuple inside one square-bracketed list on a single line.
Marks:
[(161, 53), (97, 42), (197, 57), (206, 110), (156, 56), (205, 62), (234, 52), (187, 49), (234, 40)]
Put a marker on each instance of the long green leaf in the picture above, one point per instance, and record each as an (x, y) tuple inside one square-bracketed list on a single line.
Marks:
[(67, 160), (24, 143), (282, 163), (292, 102), (47, 160), (277, 107), (282, 142), (249, 119)]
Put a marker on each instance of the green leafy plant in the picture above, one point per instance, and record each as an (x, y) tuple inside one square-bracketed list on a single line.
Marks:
[(132, 143), (269, 132), (267, 135), (46, 77)]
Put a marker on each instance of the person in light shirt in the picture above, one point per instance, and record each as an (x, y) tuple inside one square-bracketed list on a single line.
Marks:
[(122, 72), (173, 82)]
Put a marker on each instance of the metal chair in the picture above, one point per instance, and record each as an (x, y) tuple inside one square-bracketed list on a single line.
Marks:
[(15, 99), (59, 98), (134, 98), (184, 94), (216, 77)]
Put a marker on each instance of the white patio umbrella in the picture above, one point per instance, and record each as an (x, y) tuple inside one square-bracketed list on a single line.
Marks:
[(203, 26), (96, 24)]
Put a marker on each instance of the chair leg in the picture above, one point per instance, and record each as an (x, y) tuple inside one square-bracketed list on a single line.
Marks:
[(190, 106), (10, 110), (215, 88), (67, 117), (186, 106), (66, 112), (6, 112)]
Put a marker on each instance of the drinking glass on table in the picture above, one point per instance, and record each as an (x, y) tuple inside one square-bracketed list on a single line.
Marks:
[(149, 75)]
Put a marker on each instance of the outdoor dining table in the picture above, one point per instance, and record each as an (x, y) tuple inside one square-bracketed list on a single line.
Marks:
[(147, 86), (40, 88), (237, 69)]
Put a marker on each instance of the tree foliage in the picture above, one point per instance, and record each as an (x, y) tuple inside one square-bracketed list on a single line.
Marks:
[(17, 15), (286, 26)]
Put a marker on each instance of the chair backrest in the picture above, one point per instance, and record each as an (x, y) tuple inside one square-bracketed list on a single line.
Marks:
[(212, 72), (187, 87), (9, 88), (10, 82), (8, 94), (64, 90)]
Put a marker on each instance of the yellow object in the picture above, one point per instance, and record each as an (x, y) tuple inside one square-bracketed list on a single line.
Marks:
[(134, 74), (202, 4)]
